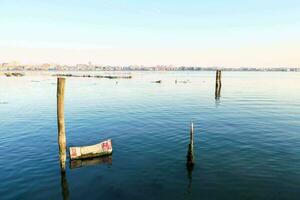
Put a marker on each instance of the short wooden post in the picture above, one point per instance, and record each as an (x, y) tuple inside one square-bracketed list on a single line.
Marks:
[(61, 123), (190, 153), (218, 84)]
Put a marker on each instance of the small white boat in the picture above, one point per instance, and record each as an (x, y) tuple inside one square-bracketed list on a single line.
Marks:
[(100, 149)]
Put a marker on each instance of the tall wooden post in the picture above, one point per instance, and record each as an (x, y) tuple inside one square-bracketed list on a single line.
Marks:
[(190, 153), (218, 84), (61, 123)]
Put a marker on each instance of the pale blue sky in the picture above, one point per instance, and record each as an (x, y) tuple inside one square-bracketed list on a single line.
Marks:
[(205, 33)]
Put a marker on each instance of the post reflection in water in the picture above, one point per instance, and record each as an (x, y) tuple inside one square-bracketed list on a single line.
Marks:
[(218, 91), (189, 176), (64, 186), (218, 95), (78, 164)]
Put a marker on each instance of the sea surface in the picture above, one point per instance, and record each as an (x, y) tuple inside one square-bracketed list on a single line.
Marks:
[(247, 142)]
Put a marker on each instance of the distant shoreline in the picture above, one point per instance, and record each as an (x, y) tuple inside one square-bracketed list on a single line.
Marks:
[(159, 70)]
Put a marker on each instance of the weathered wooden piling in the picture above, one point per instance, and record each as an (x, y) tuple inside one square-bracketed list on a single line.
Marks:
[(218, 84), (190, 153), (61, 123)]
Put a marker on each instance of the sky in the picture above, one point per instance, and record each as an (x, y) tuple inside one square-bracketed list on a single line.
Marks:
[(226, 33)]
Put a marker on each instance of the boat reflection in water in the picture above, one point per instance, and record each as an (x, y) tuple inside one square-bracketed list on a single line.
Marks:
[(78, 164), (91, 161)]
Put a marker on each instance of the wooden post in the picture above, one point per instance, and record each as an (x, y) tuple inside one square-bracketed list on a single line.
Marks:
[(190, 153), (192, 137), (218, 78), (218, 84), (61, 123)]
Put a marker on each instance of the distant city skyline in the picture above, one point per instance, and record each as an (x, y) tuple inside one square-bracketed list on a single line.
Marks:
[(14, 66), (229, 33)]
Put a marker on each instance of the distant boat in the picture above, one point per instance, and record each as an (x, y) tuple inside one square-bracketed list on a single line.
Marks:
[(159, 81), (100, 149)]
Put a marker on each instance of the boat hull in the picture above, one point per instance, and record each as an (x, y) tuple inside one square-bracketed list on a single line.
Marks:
[(100, 149)]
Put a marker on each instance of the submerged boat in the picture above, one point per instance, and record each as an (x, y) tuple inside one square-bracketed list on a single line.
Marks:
[(100, 149)]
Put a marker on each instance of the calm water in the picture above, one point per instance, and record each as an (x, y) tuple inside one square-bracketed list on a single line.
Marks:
[(247, 144)]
